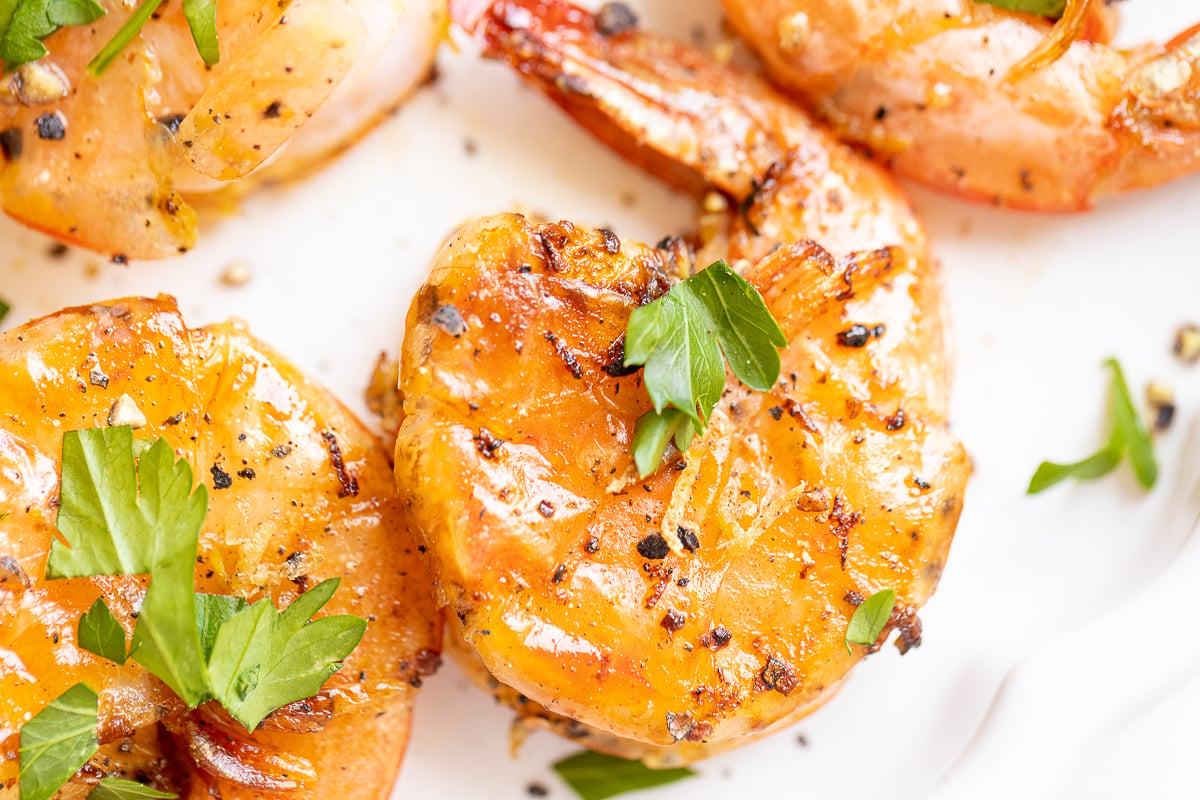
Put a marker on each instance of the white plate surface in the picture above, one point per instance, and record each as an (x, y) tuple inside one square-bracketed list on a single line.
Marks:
[(1076, 602)]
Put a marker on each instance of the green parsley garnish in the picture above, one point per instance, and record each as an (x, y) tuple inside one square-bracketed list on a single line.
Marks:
[(595, 776), (4, 309), (57, 742), (125, 514), (101, 633), (680, 338), (201, 17), (263, 659), (1042, 8), (120, 789), (24, 23), (870, 618), (1128, 437)]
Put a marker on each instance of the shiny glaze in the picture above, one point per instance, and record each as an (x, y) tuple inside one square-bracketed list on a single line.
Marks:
[(117, 180), (224, 401), (923, 84), (514, 454)]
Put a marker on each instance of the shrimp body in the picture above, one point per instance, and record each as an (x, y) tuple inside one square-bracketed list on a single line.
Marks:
[(925, 86), (296, 82), (299, 491), (670, 616)]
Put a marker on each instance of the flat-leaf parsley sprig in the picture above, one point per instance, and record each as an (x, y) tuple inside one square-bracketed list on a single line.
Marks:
[(679, 340), (122, 513), (1127, 438)]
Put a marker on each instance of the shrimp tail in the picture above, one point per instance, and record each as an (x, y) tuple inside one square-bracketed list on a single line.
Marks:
[(1159, 115), (662, 105)]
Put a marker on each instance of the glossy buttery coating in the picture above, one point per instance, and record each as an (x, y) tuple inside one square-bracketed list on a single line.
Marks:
[(923, 84), (296, 82), (514, 455), (287, 520)]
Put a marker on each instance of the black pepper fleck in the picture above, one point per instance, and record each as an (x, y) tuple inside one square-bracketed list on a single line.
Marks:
[(221, 478), (51, 126), (688, 539), (614, 18), (546, 509), (653, 547), (449, 319)]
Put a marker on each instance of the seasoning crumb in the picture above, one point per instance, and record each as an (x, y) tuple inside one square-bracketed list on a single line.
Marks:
[(688, 539), (614, 18), (536, 790), (546, 509), (126, 412), (450, 319), (236, 274), (653, 547), (1187, 343), (1161, 400), (592, 545), (673, 620), (221, 478)]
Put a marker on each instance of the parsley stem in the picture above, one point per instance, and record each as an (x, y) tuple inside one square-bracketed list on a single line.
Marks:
[(123, 37)]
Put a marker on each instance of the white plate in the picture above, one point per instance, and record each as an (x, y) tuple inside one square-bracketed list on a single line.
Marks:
[(1100, 706)]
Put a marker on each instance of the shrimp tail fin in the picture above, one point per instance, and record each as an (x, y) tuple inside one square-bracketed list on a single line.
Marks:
[(663, 105)]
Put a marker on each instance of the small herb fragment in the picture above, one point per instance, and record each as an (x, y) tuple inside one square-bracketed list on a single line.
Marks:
[(57, 742), (1128, 437), (101, 633), (120, 789), (201, 18), (25, 23), (680, 339), (595, 776), (870, 618), (4, 309), (1042, 8)]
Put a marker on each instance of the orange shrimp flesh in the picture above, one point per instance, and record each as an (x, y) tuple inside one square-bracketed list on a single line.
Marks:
[(514, 460), (928, 86), (106, 161), (299, 491)]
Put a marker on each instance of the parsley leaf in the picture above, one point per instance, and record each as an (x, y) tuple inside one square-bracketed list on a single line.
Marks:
[(120, 789), (101, 633), (263, 659), (24, 23), (212, 611), (1128, 437), (4, 306), (125, 520), (595, 776), (680, 338), (870, 618), (1042, 8), (201, 18), (57, 742)]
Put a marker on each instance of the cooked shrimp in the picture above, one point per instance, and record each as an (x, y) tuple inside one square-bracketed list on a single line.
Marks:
[(926, 85), (670, 616), (307, 495), (126, 147)]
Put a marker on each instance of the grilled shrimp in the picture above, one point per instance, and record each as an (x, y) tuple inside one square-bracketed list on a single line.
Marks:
[(671, 616), (930, 87), (107, 161), (299, 491)]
